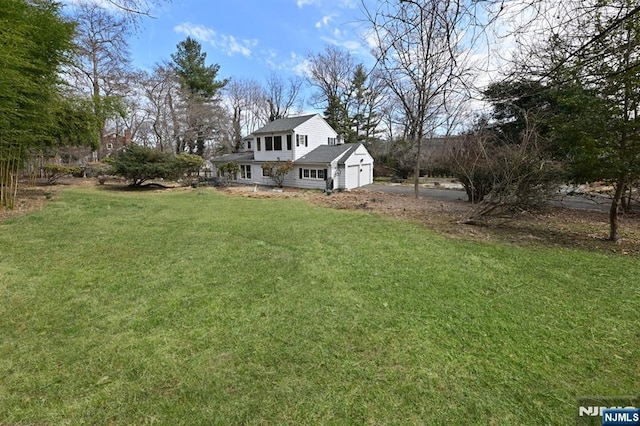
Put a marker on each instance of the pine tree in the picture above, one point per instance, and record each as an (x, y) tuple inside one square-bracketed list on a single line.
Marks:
[(199, 89)]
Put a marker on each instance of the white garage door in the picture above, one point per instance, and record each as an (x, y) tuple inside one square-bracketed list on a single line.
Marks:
[(353, 175), (358, 176), (365, 175)]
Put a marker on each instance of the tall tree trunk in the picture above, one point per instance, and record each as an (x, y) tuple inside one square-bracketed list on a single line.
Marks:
[(179, 143), (613, 212), (416, 174)]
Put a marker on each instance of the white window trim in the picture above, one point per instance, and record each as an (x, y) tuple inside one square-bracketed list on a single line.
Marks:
[(245, 169), (309, 172)]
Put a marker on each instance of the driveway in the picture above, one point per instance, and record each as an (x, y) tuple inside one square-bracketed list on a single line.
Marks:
[(568, 201)]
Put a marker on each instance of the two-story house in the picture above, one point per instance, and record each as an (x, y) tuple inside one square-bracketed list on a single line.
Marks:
[(320, 160)]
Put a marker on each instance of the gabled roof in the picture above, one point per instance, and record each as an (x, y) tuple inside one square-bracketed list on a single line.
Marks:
[(326, 154), (284, 124), (238, 157), (351, 150)]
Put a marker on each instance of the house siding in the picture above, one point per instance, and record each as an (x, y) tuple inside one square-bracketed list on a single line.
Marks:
[(264, 155), (318, 132), (313, 183)]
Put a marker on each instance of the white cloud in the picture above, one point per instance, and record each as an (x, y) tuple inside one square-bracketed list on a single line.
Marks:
[(303, 3), (348, 4), (199, 32), (232, 45), (352, 46), (326, 20), (229, 44), (295, 63), (302, 67)]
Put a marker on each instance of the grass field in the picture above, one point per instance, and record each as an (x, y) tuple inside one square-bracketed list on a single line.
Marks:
[(194, 307)]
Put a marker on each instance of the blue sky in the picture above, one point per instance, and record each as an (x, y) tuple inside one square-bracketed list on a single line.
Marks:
[(249, 38)]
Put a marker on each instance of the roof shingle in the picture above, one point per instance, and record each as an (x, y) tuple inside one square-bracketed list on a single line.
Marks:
[(237, 157), (283, 124), (326, 154)]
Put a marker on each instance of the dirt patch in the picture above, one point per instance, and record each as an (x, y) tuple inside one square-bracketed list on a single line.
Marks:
[(558, 227), (29, 199)]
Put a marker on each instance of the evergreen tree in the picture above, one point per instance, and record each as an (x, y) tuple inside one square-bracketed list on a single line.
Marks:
[(599, 128), (199, 89)]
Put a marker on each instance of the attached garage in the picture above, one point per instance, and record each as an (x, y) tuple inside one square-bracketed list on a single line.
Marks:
[(342, 166), (358, 167)]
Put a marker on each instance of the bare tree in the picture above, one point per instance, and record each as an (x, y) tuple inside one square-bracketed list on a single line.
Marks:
[(331, 72), (136, 118), (419, 55), (161, 89), (282, 95), (101, 59), (246, 102)]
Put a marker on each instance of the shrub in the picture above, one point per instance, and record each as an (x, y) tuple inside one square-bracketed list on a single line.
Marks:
[(98, 168), (188, 164), (53, 172), (277, 170), (229, 171), (139, 164)]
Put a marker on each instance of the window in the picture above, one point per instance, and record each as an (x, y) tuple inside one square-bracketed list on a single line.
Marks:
[(288, 142), (109, 146), (266, 172), (302, 140), (245, 171), (258, 144), (320, 174), (249, 145), (268, 143), (277, 143), (332, 141)]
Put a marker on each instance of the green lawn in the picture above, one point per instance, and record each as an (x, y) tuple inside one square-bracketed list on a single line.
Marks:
[(193, 307)]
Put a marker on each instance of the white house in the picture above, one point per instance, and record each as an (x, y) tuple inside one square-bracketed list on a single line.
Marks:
[(320, 160)]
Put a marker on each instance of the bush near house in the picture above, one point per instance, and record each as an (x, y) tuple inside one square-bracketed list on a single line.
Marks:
[(189, 164), (277, 170), (229, 171)]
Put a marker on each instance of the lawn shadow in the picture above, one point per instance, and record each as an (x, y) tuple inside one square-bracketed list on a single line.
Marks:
[(152, 186), (567, 228)]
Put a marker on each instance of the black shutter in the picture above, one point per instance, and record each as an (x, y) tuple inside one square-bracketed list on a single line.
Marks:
[(325, 174), (300, 170)]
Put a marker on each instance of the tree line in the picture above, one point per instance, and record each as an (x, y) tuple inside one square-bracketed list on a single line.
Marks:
[(562, 109)]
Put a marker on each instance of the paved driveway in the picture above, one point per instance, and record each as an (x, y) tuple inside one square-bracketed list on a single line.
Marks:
[(569, 201)]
